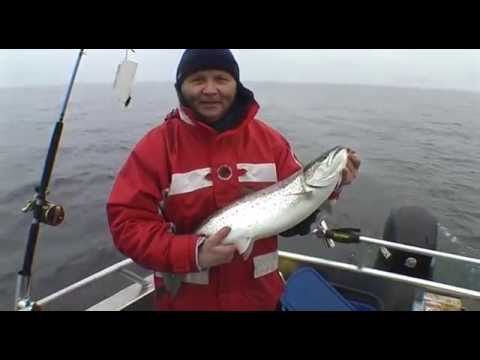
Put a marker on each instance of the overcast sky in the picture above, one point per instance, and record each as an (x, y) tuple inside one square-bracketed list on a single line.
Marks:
[(442, 69)]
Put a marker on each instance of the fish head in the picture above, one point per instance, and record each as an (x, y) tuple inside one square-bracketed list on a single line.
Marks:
[(327, 168)]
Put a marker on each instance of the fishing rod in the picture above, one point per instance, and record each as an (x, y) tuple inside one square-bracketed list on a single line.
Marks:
[(352, 236), (43, 210)]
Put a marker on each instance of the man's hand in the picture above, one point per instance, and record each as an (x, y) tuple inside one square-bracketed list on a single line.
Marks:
[(213, 253), (350, 173)]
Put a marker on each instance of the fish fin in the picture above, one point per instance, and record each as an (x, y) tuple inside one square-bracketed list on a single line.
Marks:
[(322, 184), (330, 181), (248, 251), (305, 190)]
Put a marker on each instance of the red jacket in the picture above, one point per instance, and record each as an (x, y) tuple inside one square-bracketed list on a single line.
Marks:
[(180, 173)]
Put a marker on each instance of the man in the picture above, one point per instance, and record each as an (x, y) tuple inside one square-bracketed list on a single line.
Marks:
[(208, 153)]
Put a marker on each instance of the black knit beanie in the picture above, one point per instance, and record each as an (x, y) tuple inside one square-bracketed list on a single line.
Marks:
[(206, 59)]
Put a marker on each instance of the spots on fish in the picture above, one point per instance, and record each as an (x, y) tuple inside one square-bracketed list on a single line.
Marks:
[(258, 212)]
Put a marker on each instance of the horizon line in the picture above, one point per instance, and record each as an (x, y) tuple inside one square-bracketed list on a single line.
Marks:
[(289, 82)]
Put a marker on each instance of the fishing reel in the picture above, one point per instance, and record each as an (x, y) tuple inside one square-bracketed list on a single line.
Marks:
[(27, 305), (344, 235), (50, 213)]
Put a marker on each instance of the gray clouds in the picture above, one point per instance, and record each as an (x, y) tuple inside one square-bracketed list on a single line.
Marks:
[(432, 68)]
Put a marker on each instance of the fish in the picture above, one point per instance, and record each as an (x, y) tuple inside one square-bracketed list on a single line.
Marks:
[(281, 206), (274, 209)]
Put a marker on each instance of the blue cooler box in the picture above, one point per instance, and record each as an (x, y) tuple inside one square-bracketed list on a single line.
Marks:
[(307, 290)]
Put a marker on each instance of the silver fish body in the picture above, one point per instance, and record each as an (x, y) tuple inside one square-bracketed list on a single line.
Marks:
[(277, 208), (281, 206)]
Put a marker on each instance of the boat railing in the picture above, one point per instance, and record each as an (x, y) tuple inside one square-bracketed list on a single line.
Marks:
[(118, 267), (144, 286), (426, 284)]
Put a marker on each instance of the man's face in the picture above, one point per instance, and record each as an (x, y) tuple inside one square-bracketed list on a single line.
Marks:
[(210, 93)]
